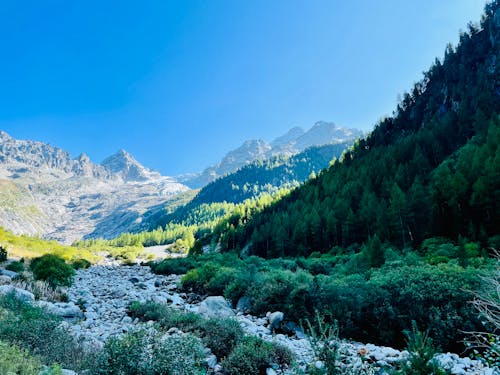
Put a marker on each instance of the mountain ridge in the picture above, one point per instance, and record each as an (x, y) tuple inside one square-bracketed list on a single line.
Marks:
[(292, 142), (47, 192)]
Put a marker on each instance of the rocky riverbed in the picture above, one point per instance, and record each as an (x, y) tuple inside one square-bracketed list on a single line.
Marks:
[(100, 295)]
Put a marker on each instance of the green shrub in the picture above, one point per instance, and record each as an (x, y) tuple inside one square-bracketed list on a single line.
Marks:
[(147, 311), (175, 266), (31, 328), (421, 358), (324, 339), (221, 335), (142, 353), (285, 291), (197, 279), (3, 254), (17, 361), (15, 266), (52, 269), (166, 317), (81, 264), (254, 356)]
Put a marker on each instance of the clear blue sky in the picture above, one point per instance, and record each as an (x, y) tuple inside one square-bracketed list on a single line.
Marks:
[(179, 83)]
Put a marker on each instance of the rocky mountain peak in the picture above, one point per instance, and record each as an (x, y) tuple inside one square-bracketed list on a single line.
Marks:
[(288, 137), (124, 164)]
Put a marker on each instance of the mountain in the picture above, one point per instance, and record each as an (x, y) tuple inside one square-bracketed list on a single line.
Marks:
[(44, 191), (249, 151), (430, 170), (124, 165), (287, 138), (250, 181), (292, 142)]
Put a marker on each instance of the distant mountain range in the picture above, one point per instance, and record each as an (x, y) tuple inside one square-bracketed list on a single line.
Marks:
[(44, 191), (294, 141)]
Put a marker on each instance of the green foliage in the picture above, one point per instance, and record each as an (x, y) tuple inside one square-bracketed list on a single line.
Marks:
[(421, 354), (165, 316), (52, 269), (324, 338), (28, 247), (374, 305), (221, 335), (141, 353), (3, 254), (174, 266), (17, 361), (254, 356), (32, 329), (15, 266), (80, 264)]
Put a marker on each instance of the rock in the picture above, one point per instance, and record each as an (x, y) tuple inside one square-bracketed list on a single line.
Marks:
[(244, 305), (5, 279), (158, 283), (275, 319), (13, 275), (458, 369), (215, 307), (211, 361), (133, 280), (20, 294), (319, 365), (270, 371), (67, 311)]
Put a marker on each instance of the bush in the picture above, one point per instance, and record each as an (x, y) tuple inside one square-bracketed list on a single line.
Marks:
[(3, 254), (166, 317), (52, 269), (254, 356), (285, 291), (421, 358), (176, 266), (147, 311), (142, 353), (31, 328), (81, 264), (197, 279), (17, 361), (221, 335), (15, 267)]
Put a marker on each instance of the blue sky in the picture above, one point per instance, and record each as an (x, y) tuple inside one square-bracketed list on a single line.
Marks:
[(180, 83)]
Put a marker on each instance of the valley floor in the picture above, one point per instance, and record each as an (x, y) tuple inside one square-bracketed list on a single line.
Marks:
[(100, 296)]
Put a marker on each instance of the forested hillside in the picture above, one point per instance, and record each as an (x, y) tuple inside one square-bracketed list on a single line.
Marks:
[(432, 169), (270, 177), (397, 232)]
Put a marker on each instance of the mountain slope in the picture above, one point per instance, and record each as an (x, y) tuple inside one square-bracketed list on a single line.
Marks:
[(46, 192), (431, 170), (251, 181), (294, 141)]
